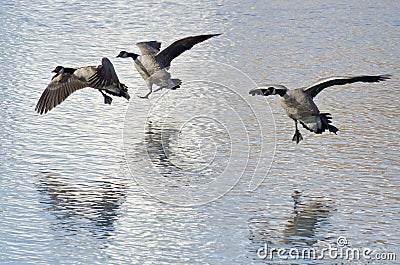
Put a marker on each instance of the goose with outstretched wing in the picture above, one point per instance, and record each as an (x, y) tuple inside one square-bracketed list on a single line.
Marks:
[(68, 80), (299, 104), (153, 64)]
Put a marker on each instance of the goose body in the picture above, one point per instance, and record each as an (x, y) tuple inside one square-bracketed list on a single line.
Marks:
[(68, 80), (299, 104), (153, 64)]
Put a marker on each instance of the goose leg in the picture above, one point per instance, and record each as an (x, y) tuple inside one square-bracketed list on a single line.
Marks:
[(158, 89), (107, 99), (147, 95), (169, 87), (297, 135), (150, 86)]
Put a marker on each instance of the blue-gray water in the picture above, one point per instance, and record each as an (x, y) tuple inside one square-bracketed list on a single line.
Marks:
[(168, 180)]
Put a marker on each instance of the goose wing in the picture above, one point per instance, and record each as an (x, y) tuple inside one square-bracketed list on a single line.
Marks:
[(104, 76), (57, 91), (317, 87), (149, 47), (178, 47), (265, 90)]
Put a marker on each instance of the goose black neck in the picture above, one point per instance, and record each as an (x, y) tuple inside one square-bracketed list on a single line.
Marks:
[(279, 91), (69, 70), (132, 55)]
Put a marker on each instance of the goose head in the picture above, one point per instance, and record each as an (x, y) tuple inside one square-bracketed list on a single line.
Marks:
[(125, 54), (59, 70)]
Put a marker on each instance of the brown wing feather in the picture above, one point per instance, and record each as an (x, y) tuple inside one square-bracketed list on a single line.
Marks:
[(321, 84), (149, 47), (57, 91), (178, 47), (105, 75)]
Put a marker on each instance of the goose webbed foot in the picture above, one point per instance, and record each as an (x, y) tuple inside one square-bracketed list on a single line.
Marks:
[(297, 136), (107, 99), (145, 96), (333, 129)]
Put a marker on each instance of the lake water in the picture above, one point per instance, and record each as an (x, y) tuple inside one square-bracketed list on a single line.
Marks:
[(205, 174)]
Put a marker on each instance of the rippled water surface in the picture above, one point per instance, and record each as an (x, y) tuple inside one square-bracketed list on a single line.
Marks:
[(199, 175)]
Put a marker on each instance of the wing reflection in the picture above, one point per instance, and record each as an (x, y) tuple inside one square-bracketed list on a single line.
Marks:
[(82, 207)]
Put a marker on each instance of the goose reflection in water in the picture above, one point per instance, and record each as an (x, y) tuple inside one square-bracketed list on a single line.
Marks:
[(184, 152), (82, 207), (307, 217), (309, 214), (158, 142)]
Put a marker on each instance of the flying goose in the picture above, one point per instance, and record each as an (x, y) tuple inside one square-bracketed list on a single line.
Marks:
[(153, 64), (68, 80), (299, 105)]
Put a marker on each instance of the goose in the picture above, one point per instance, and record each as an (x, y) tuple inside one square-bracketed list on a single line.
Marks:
[(68, 80), (299, 105), (153, 64)]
